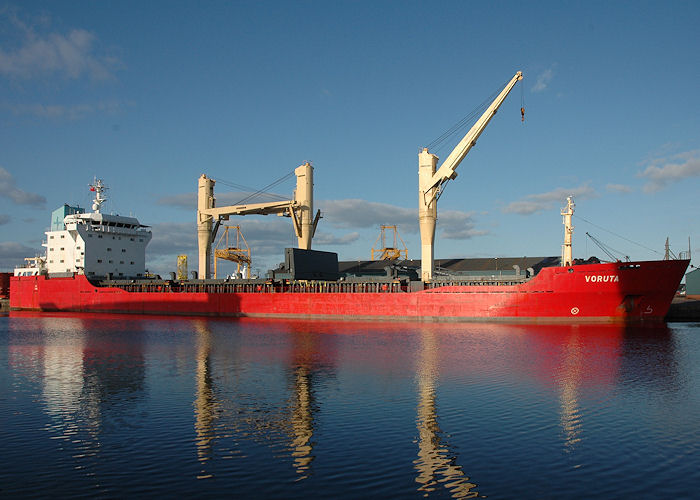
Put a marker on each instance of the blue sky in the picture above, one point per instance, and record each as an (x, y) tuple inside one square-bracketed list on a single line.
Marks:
[(149, 95)]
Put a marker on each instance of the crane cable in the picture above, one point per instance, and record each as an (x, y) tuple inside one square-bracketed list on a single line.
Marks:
[(610, 251), (259, 191), (615, 234), (478, 111)]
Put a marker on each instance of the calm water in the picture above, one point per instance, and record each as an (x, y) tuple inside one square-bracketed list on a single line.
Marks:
[(117, 406)]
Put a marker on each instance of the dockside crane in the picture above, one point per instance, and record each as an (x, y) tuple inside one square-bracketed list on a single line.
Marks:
[(300, 209), (389, 252), (431, 180)]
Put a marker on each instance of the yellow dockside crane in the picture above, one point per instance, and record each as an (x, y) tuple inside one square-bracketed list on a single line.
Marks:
[(389, 253), (238, 253)]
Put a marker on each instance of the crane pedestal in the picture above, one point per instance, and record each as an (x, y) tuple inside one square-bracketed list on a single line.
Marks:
[(427, 212)]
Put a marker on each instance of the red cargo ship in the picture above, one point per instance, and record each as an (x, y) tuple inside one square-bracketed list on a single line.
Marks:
[(618, 292), (96, 263)]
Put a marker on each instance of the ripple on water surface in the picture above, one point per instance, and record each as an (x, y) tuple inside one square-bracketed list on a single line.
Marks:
[(113, 406)]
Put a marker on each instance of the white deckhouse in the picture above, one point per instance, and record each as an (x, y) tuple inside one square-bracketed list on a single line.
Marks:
[(96, 244)]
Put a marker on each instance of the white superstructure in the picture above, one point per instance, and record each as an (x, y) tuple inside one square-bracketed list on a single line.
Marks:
[(97, 244), (34, 267)]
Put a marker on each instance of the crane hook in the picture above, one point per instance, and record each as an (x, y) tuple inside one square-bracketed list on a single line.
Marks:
[(522, 114)]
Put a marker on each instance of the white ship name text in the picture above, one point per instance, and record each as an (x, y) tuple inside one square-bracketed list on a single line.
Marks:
[(602, 279)]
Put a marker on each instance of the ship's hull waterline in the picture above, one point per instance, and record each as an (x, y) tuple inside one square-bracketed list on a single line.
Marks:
[(607, 292)]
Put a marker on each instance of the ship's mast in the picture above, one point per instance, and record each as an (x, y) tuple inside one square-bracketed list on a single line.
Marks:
[(99, 189), (566, 251)]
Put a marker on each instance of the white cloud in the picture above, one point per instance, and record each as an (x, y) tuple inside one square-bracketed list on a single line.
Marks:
[(357, 213), (184, 200), (327, 239), (525, 207), (59, 111), (172, 238), (352, 214), (663, 171), (70, 55), (458, 225), (618, 188), (546, 201), (8, 189), (543, 80), (12, 254)]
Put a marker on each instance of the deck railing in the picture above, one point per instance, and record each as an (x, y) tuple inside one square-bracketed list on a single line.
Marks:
[(322, 287)]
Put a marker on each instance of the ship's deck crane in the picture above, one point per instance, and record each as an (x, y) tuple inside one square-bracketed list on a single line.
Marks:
[(610, 252), (430, 181), (300, 209)]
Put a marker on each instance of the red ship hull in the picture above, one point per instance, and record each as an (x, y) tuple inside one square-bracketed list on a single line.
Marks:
[(617, 292)]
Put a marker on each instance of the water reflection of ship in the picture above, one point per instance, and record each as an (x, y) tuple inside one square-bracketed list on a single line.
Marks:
[(589, 360), (294, 418), (69, 397), (576, 363), (649, 357), (205, 403), (436, 461), (84, 370), (303, 403)]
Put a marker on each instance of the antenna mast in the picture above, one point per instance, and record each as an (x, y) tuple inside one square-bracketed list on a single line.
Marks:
[(566, 251)]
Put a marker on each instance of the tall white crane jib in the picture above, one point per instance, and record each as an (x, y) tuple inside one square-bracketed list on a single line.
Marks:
[(431, 178)]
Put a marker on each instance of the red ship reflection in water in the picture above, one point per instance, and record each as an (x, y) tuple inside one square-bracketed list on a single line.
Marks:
[(272, 381)]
